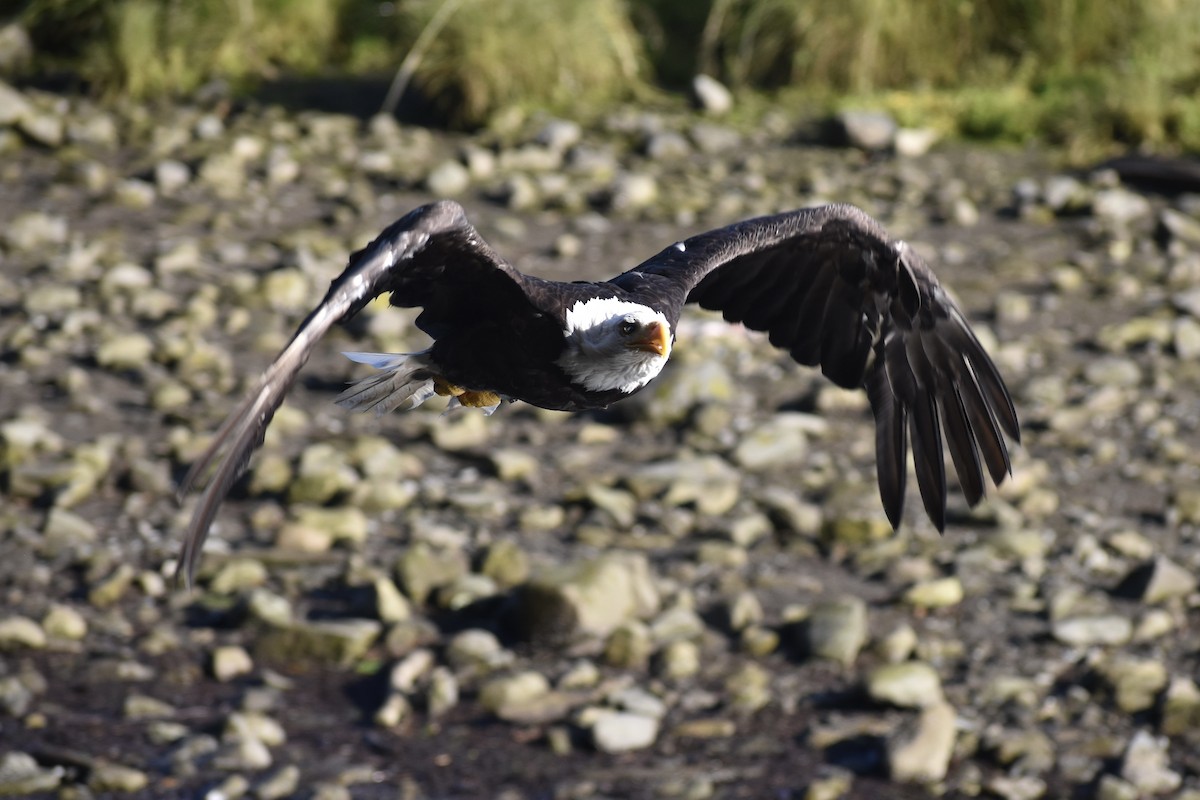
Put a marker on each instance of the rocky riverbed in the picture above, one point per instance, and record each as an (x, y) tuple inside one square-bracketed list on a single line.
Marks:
[(694, 594)]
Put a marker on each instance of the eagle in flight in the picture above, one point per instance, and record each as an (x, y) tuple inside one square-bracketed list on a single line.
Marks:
[(827, 284)]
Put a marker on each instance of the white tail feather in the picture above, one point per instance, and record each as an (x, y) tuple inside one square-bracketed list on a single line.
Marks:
[(404, 382)]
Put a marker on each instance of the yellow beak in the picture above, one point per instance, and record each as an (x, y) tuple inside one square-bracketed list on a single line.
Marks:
[(654, 339)]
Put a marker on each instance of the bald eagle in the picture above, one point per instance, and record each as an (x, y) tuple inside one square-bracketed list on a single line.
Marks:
[(826, 284)]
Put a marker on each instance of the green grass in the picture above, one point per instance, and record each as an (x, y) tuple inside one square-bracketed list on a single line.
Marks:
[(1066, 71)]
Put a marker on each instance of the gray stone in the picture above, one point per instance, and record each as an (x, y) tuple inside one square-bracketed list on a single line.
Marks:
[(867, 130), (15, 697), (242, 753), (1017, 787), (1085, 630), (19, 633), (442, 694), (1065, 194), (43, 128), (913, 142), (1158, 580), (621, 732), (633, 191), (711, 96), (13, 105), (35, 230), (341, 641), (560, 134), (1120, 206), (1181, 707), (920, 751), (836, 630), (591, 597), (254, 725), (524, 697), (679, 660), (780, 441), (909, 684), (1177, 226), (229, 662), (667, 146), (140, 706), (116, 778), (238, 575), (16, 48), (712, 139), (67, 529), (422, 569), (411, 669), (21, 775), (676, 623), (477, 649), (280, 784), (629, 646), (170, 176), (1135, 683), (1146, 765), (749, 688), (64, 623), (937, 593), (448, 179), (639, 701)]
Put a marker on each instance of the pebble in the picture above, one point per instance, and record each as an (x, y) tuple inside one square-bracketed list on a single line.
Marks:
[(867, 130), (1158, 580), (20, 773), (238, 575), (106, 777), (560, 135), (1181, 707), (281, 783), (836, 630), (633, 192), (1145, 764), (938, 593), (448, 179), (621, 732), (909, 684), (588, 597), (779, 442), (1088, 630), (914, 142), (35, 230), (1135, 683), (422, 569), (64, 622), (507, 695), (341, 641), (18, 633), (711, 96), (1120, 206), (13, 105), (229, 662), (920, 751)]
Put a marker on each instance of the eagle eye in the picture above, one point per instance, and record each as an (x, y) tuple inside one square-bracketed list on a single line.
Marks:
[(627, 327)]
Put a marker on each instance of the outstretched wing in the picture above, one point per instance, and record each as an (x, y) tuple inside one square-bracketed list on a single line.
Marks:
[(432, 258), (830, 286)]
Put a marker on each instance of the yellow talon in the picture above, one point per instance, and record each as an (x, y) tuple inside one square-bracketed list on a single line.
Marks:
[(447, 389), (479, 399)]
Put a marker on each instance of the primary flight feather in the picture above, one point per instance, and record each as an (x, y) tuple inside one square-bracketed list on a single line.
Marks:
[(827, 284)]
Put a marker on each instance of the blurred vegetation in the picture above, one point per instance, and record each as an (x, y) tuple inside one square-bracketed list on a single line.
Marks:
[(1061, 70)]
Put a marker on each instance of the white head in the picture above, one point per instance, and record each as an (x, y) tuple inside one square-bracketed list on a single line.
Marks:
[(613, 344)]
